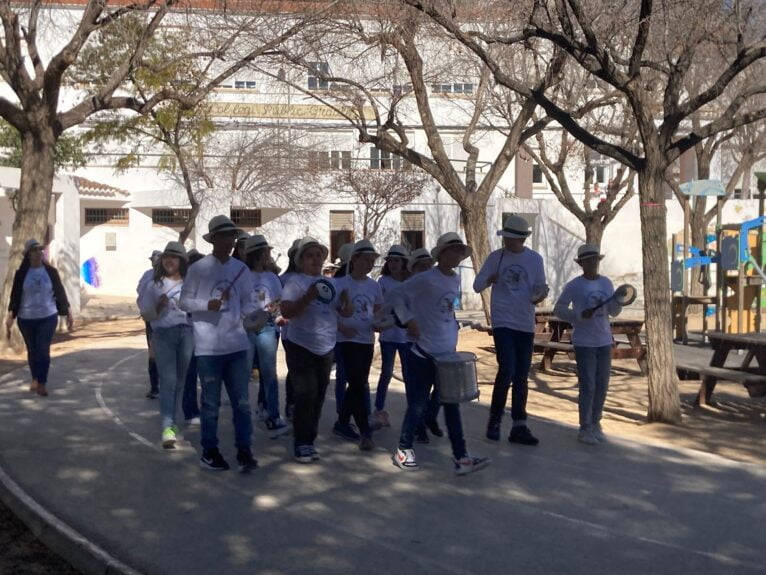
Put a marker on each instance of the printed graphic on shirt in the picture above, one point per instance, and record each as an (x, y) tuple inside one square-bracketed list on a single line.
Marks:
[(224, 286), (363, 308), (263, 295), (447, 306), (515, 277), (596, 297), (174, 295)]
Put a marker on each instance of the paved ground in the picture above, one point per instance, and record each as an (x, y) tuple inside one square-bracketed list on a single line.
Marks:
[(89, 453)]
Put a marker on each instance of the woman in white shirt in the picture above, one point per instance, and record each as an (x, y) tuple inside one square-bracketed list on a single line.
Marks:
[(172, 337), (582, 303), (310, 341), (37, 299)]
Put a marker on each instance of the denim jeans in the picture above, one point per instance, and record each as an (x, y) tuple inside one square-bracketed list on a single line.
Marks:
[(357, 358), (154, 378), (263, 345), (514, 358), (388, 350), (593, 367), (311, 376), (190, 400), (233, 371), (419, 378), (38, 335), (173, 349)]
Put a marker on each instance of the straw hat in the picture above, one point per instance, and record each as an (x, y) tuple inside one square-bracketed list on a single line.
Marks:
[(293, 247), (397, 251), (30, 245), (418, 255), (364, 247), (515, 227), (344, 253), (175, 249), (257, 242), (220, 224), (587, 251), (307, 242), (447, 240)]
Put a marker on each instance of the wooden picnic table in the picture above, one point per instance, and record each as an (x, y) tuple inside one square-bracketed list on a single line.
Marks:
[(754, 379), (560, 341)]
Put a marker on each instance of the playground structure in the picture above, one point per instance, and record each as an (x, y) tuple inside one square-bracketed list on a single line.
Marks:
[(738, 256)]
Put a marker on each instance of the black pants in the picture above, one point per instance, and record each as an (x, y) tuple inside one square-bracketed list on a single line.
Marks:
[(310, 375), (357, 358), (154, 378)]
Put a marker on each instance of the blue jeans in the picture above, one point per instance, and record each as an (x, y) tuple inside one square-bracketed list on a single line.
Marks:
[(419, 378), (388, 352), (593, 367), (38, 335), (173, 349), (264, 347), (514, 358), (190, 401), (233, 371)]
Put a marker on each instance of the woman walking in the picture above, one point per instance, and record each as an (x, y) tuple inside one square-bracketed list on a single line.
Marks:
[(37, 299), (172, 337)]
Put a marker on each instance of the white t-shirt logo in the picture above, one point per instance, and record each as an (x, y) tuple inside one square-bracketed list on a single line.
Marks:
[(514, 276), (447, 306), (218, 290), (596, 297), (362, 307)]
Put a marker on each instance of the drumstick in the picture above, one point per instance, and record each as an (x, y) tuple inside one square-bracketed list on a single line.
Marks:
[(225, 293)]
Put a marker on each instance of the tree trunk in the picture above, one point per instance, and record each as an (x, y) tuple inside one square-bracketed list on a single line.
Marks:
[(32, 203), (664, 401), (594, 231), (474, 218), (698, 235)]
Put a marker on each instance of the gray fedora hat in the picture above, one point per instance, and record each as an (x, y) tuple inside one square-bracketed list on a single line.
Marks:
[(220, 224), (31, 244), (257, 242), (515, 227), (175, 249)]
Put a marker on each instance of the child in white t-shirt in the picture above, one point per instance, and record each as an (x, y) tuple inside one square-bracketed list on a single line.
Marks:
[(582, 303)]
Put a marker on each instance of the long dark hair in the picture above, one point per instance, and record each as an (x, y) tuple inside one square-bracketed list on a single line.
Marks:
[(253, 257), (385, 271), (159, 271), (343, 270)]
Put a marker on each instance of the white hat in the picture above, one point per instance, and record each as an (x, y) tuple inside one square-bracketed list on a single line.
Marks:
[(515, 227), (293, 247), (418, 255), (176, 249), (397, 251), (587, 251), (344, 253), (31, 244), (447, 240), (306, 243), (257, 242), (363, 247), (220, 224)]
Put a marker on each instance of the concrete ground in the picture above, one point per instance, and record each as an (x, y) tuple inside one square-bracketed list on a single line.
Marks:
[(90, 455)]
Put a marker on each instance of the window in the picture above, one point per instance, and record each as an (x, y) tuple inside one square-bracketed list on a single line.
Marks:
[(110, 242), (601, 174), (537, 174), (246, 217), (341, 231), (170, 217), (400, 89), (244, 84), (98, 216), (335, 160), (317, 74), (413, 226), (384, 160), (456, 88)]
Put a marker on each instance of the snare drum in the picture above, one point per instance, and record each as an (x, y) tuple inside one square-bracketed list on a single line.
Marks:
[(456, 377)]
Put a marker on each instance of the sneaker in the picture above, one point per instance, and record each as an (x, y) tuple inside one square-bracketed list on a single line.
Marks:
[(421, 436), (434, 428), (276, 427), (169, 438), (470, 464), (42, 390), (33, 386), (304, 454), (246, 461), (493, 429), (521, 434), (314, 454), (598, 433), (366, 444), (346, 431), (261, 413), (153, 394), (381, 417), (289, 410), (405, 459), (213, 460), (586, 436), (193, 421)]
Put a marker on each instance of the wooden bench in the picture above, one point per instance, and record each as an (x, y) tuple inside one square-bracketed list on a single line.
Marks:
[(710, 375), (550, 348)]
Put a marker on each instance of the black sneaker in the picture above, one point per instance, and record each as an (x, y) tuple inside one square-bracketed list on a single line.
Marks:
[(521, 434), (213, 460), (153, 394), (246, 461), (346, 431), (421, 436), (493, 429), (434, 428)]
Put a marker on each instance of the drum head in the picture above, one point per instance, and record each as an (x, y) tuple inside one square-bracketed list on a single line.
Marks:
[(326, 290), (625, 294)]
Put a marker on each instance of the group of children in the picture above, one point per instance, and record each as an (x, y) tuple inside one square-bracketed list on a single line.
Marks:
[(218, 317)]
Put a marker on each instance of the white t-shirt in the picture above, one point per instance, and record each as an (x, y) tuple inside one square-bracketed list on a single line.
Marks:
[(37, 299), (393, 334), (170, 315), (315, 327), (580, 294), (431, 299), (218, 332), (364, 294), (267, 290), (519, 276)]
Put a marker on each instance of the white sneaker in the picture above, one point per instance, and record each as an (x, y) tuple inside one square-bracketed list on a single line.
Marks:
[(277, 427), (193, 421), (586, 436), (405, 459), (598, 433), (470, 464)]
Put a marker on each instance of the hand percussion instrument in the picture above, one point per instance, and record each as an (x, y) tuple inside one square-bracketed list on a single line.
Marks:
[(456, 377), (326, 290), (256, 320), (623, 295)]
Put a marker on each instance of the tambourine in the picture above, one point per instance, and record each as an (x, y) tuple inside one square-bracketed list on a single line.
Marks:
[(623, 295), (325, 290)]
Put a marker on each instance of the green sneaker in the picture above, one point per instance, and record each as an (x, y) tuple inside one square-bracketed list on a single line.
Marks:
[(169, 438)]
